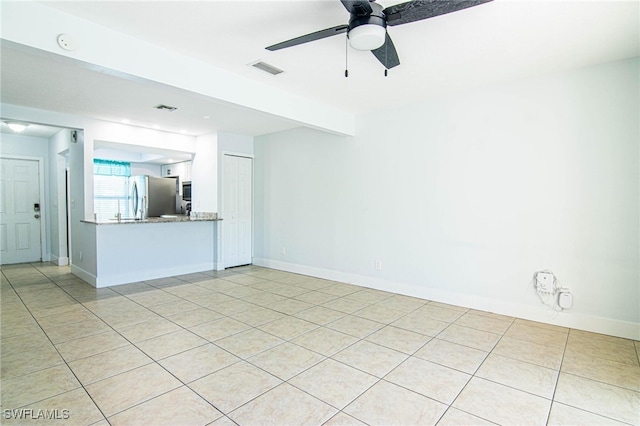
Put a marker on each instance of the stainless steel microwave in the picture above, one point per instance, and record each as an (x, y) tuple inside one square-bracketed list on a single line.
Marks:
[(186, 190)]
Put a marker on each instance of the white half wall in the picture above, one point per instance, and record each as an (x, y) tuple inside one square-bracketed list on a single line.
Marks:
[(142, 251), (463, 198)]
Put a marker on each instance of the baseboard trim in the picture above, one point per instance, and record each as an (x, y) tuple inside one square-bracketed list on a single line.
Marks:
[(83, 275), (117, 279), (533, 312), (60, 261)]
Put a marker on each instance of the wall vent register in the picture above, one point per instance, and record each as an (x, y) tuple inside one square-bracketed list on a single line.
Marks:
[(263, 66)]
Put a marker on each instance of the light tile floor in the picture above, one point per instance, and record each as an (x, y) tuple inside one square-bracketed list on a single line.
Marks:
[(258, 346)]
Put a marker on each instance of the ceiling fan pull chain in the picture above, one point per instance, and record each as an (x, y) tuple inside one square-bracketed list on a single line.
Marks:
[(346, 56), (386, 55)]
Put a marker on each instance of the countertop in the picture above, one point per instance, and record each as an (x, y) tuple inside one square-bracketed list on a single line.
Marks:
[(173, 219)]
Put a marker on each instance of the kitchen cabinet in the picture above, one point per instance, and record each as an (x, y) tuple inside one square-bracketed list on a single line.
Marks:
[(182, 170)]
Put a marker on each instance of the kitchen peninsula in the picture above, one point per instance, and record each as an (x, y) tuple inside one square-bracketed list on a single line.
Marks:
[(137, 250)]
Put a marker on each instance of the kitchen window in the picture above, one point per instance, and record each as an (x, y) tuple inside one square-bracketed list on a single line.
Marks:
[(111, 194)]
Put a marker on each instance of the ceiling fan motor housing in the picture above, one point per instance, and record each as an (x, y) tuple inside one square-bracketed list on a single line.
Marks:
[(367, 32)]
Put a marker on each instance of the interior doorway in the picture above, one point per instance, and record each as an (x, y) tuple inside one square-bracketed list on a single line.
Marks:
[(67, 209)]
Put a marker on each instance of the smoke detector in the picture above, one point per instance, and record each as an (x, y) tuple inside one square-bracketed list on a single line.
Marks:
[(66, 42)]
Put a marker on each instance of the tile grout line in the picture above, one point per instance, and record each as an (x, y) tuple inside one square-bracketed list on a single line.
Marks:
[(385, 324), (472, 375), (154, 361), (123, 372), (213, 342), (61, 357), (555, 387)]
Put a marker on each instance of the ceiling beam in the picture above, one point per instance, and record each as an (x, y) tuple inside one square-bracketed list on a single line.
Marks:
[(38, 26)]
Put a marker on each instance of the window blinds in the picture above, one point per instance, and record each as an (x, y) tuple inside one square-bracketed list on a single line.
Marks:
[(111, 193)]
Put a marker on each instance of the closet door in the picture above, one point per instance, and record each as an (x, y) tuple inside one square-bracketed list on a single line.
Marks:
[(237, 196)]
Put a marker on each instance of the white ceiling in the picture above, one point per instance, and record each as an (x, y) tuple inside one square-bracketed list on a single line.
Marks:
[(499, 41), (33, 130), (47, 82)]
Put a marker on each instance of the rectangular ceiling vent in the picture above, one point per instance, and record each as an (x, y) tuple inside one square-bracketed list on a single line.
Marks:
[(263, 66), (165, 107)]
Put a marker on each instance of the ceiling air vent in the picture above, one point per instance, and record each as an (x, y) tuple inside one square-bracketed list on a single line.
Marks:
[(165, 107), (263, 66)]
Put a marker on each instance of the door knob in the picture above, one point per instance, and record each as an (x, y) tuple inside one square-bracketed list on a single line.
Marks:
[(37, 216)]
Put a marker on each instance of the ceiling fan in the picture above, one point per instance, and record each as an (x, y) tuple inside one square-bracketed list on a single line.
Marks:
[(367, 28)]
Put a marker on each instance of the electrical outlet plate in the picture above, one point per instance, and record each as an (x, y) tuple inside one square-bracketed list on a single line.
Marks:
[(544, 282)]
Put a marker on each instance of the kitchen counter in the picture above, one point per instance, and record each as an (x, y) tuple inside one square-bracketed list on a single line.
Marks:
[(207, 217)]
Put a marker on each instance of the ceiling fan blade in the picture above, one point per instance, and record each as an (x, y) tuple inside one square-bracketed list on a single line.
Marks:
[(387, 54), (417, 10), (358, 7), (310, 37)]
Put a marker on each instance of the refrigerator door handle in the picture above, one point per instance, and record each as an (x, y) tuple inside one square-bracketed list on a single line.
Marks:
[(134, 199)]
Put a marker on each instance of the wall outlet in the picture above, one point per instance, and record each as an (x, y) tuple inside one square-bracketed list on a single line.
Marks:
[(378, 265), (284, 251), (545, 282)]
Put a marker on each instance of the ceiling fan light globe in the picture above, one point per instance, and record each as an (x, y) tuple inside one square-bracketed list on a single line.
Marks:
[(367, 37)]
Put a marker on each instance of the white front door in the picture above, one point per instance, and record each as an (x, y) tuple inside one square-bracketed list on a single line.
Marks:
[(20, 239), (237, 210)]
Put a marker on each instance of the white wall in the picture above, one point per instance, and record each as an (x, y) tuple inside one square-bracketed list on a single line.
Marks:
[(463, 198), (14, 144), (239, 144), (204, 175), (146, 169)]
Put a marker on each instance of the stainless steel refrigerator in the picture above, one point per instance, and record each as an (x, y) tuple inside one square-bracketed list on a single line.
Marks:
[(153, 196)]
